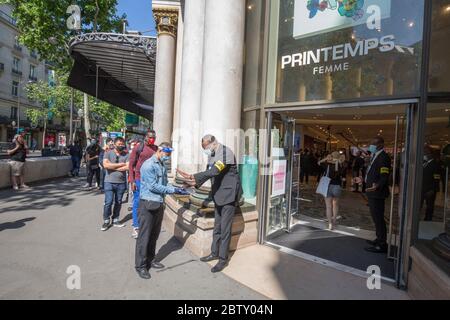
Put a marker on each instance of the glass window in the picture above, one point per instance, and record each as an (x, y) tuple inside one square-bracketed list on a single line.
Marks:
[(13, 114), (32, 71), (16, 64), (344, 49), (15, 88), (248, 167), (439, 81), (254, 39)]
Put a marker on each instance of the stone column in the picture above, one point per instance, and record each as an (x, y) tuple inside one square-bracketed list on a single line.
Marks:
[(166, 23), (189, 155), (221, 97)]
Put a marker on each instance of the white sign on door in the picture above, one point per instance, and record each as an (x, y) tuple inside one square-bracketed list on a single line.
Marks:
[(279, 177), (312, 17)]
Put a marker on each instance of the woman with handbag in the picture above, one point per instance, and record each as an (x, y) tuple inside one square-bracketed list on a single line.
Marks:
[(330, 186)]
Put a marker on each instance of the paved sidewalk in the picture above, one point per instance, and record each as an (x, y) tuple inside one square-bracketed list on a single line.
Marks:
[(57, 224)]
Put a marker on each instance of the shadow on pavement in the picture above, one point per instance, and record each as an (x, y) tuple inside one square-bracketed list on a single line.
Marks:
[(16, 224), (58, 192)]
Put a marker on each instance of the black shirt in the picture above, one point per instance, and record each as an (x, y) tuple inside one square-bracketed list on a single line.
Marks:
[(92, 151), (333, 174), (20, 154)]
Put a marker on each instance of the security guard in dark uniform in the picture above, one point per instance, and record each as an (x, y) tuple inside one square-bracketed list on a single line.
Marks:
[(226, 191), (377, 181), (430, 182)]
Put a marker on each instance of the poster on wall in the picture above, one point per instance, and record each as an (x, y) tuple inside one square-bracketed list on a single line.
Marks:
[(62, 140), (279, 177), (313, 17)]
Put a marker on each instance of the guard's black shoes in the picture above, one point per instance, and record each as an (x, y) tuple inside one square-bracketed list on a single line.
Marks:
[(373, 243), (143, 273), (377, 248), (211, 257), (219, 266), (157, 265)]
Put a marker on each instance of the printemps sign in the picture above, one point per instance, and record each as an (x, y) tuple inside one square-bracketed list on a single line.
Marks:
[(334, 15), (345, 49)]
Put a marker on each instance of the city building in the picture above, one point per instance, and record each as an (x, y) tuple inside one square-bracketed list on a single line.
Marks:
[(271, 79), (18, 67), (295, 75)]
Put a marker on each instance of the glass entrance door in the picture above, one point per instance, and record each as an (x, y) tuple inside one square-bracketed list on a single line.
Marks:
[(282, 132)]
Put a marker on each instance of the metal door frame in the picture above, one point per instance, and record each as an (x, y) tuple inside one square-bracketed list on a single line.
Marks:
[(405, 217)]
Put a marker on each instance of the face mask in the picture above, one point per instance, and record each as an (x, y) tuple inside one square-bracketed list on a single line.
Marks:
[(111, 146), (373, 149), (165, 158), (207, 151), (151, 141), (120, 148)]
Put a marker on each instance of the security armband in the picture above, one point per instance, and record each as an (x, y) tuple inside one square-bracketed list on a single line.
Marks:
[(384, 170), (219, 165)]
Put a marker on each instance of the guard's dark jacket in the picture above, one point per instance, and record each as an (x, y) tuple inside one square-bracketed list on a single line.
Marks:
[(431, 176), (223, 170), (378, 173)]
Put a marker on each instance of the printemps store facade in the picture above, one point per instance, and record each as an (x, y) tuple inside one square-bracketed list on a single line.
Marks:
[(323, 57), (326, 76)]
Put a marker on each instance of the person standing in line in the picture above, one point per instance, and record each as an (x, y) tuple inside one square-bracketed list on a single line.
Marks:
[(377, 190), (116, 164), (226, 191), (18, 153), (109, 146), (92, 163), (76, 153), (305, 166), (332, 168), (154, 187), (141, 152)]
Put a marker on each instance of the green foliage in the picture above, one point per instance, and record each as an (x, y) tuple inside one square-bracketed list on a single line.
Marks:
[(39, 20), (111, 117)]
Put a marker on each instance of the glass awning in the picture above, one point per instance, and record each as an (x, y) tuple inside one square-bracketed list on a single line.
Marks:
[(116, 68)]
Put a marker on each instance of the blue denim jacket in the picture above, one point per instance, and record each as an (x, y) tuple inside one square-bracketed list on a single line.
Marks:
[(154, 184)]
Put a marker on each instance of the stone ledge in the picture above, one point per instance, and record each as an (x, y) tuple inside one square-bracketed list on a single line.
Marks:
[(195, 232), (37, 169)]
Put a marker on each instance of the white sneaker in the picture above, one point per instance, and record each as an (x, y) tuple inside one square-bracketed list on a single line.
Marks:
[(135, 233), (15, 188), (24, 186), (86, 185)]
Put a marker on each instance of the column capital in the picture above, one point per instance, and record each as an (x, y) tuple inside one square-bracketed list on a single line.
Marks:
[(166, 20)]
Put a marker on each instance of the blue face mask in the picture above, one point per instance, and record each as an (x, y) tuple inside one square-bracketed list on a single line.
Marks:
[(165, 158), (372, 149)]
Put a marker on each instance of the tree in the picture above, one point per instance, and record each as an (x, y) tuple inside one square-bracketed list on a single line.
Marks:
[(39, 20)]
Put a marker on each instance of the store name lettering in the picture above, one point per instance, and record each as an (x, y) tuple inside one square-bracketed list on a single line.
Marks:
[(337, 52)]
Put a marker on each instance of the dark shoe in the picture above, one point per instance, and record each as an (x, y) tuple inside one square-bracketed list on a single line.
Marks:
[(143, 273), (373, 243), (219, 266), (105, 226), (211, 257), (157, 265), (377, 249)]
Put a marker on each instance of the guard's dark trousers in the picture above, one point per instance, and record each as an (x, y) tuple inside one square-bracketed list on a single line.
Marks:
[(377, 211), (430, 199), (223, 220), (150, 216)]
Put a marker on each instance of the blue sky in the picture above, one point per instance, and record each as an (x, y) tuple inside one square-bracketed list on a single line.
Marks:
[(139, 15)]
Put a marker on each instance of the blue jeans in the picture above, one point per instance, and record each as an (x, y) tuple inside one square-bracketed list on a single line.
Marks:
[(75, 165), (113, 194), (136, 204)]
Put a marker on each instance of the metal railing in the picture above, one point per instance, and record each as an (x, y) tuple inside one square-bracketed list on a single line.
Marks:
[(8, 18), (16, 72)]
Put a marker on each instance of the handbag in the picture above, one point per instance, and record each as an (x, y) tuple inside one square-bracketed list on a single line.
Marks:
[(324, 183)]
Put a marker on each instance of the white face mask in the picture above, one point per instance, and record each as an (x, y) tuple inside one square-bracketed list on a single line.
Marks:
[(207, 151)]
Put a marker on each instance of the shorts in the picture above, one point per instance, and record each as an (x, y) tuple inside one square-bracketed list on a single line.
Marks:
[(17, 168), (334, 191)]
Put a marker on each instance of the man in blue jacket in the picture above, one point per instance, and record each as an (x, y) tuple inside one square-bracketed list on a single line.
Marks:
[(154, 187)]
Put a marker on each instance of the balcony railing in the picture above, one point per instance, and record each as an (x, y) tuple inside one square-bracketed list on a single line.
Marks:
[(16, 72), (8, 18)]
